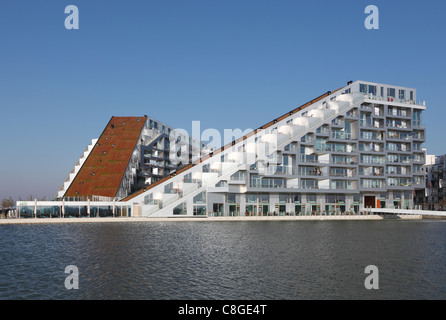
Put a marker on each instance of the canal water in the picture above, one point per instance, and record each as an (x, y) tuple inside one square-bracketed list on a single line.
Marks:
[(225, 260)]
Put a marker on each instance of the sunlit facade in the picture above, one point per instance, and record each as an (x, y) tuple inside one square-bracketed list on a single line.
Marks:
[(358, 147)]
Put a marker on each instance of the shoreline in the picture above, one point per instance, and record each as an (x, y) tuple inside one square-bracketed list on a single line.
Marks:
[(10, 221)]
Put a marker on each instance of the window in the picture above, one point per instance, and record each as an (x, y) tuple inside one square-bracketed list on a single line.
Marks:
[(264, 198), (199, 210), (251, 198), (200, 198), (402, 94), (367, 89), (283, 198), (180, 209), (311, 198), (240, 175), (231, 198), (362, 88), (222, 183), (416, 118), (391, 92)]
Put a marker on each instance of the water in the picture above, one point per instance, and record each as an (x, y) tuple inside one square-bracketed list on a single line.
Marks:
[(225, 260)]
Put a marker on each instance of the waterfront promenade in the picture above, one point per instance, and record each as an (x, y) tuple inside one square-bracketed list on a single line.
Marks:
[(207, 219)]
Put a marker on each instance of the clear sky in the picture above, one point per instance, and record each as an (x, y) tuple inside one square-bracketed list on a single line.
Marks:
[(227, 63)]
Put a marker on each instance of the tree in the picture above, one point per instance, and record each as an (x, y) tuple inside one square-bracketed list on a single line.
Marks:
[(7, 203)]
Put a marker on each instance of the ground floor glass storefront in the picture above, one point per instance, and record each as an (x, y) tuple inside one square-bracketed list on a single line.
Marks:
[(281, 204), (72, 211)]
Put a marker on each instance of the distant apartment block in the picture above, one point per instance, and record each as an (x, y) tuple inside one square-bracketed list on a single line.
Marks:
[(433, 197)]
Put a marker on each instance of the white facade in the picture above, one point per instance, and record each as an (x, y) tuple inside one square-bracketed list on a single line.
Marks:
[(356, 148), (351, 150)]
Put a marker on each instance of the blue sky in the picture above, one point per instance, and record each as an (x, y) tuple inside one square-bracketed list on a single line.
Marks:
[(230, 64)]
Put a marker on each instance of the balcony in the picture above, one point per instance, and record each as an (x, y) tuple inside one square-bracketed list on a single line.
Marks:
[(398, 113), (338, 123), (417, 124), (391, 147), (341, 135), (371, 136), (371, 149), (371, 172), (310, 173), (292, 147), (343, 185), (372, 184), (352, 114), (313, 185), (342, 173), (392, 135), (322, 131), (419, 136), (313, 159), (279, 170), (372, 160), (398, 124), (307, 140), (393, 99), (343, 161)]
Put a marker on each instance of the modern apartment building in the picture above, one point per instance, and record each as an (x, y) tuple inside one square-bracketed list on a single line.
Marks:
[(433, 197), (357, 147)]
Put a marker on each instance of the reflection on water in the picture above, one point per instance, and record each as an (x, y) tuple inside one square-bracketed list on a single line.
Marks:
[(225, 260)]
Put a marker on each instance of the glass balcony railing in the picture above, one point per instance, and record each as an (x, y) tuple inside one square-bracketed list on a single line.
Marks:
[(393, 99), (371, 136), (341, 135), (399, 113), (311, 159)]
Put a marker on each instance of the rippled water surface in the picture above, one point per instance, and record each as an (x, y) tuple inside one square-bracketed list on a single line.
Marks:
[(225, 260)]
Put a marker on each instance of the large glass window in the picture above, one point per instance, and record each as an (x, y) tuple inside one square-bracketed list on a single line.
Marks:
[(297, 198), (416, 118), (251, 198), (391, 92), (180, 209), (284, 198), (200, 198), (199, 210), (402, 94), (362, 88), (231, 198), (258, 182), (367, 89), (264, 198), (240, 175)]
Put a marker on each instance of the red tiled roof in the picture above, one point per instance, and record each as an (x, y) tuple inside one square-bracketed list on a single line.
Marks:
[(104, 168)]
